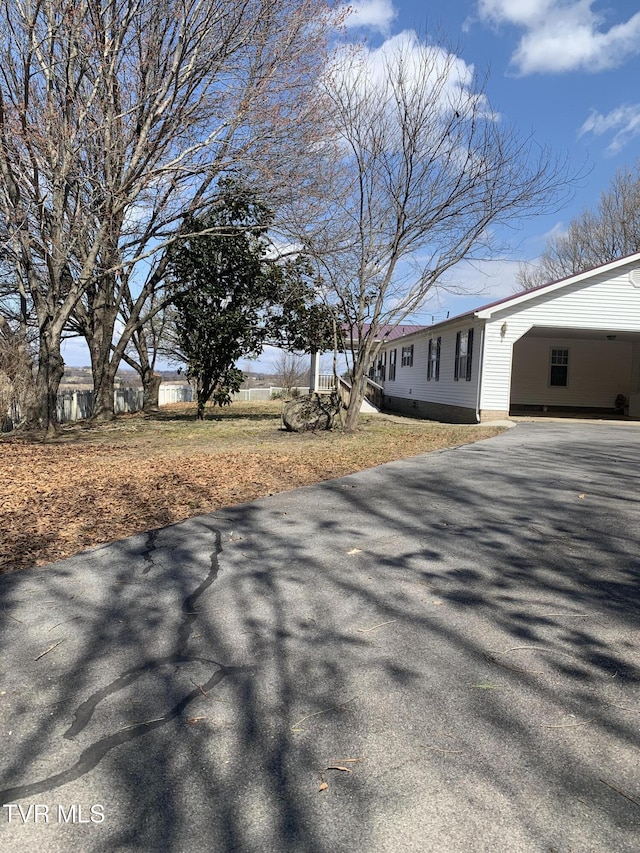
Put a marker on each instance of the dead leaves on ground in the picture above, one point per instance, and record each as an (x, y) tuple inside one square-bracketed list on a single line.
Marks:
[(57, 499)]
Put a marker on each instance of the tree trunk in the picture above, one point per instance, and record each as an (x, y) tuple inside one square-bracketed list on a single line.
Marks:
[(358, 387), (103, 366), (25, 388), (104, 376), (42, 409), (150, 380), (202, 397), (17, 363), (150, 392)]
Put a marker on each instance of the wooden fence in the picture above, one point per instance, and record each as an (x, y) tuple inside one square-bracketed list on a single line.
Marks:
[(77, 405)]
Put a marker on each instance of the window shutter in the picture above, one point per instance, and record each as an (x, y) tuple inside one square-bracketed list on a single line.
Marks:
[(437, 376), (429, 358), (457, 359), (469, 354)]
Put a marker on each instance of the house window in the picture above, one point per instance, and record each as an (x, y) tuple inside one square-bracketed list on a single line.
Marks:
[(407, 356), (382, 367), (392, 365), (464, 354), (433, 359), (559, 368)]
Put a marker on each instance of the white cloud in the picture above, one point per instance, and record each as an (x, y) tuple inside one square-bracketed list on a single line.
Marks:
[(423, 66), (623, 122), (469, 286), (371, 14), (563, 35), (481, 281), (518, 12), (416, 55)]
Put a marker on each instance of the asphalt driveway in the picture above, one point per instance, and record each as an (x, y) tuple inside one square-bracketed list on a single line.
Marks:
[(439, 654)]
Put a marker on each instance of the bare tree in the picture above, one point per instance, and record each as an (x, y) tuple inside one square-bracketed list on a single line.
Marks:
[(594, 237), (16, 368), (429, 172), (144, 348), (16, 341), (116, 118), (290, 370)]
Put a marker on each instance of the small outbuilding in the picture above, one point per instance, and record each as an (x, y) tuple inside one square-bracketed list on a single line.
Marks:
[(571, 345)]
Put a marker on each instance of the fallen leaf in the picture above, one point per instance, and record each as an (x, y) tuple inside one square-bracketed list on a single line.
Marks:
[(323, 787), (339, 767), (106, 483), (581, 497), (354, 551)]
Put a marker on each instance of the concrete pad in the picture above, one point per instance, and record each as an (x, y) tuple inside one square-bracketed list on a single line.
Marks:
[(458, 632)]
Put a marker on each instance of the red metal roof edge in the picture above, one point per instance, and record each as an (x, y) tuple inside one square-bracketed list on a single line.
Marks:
[(388, 332)]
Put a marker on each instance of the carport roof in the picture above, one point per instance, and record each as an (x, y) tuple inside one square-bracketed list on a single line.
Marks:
[(485, 311), (571, 333)]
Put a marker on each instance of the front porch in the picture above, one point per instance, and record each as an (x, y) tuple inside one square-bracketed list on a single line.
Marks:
[(326, 383)]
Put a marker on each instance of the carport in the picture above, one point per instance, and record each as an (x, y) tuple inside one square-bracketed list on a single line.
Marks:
[(568, 346), (563, 369)]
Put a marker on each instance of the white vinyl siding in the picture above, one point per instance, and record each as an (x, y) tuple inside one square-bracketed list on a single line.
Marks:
[(412, 383), (604, 302)]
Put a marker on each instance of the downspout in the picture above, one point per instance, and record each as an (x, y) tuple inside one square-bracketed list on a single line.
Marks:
[(480, 364)]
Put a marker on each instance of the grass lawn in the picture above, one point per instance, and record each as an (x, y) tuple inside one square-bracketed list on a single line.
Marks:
[(90, 486)]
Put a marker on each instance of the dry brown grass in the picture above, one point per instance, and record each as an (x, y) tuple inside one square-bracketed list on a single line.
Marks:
[(90, 486)]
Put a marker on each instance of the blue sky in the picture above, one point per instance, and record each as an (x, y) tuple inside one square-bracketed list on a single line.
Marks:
[(564, 71)]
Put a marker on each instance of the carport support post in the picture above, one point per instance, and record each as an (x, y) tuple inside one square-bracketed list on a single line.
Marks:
[(634, 395), (314, 372)]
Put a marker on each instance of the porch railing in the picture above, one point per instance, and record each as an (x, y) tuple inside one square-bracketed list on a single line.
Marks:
[(374, 393), (326, 383)]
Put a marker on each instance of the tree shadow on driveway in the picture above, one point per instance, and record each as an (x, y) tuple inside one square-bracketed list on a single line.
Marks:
[(457, 632)]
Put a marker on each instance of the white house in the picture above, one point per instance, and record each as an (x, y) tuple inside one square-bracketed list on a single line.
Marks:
[(572, 345)]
